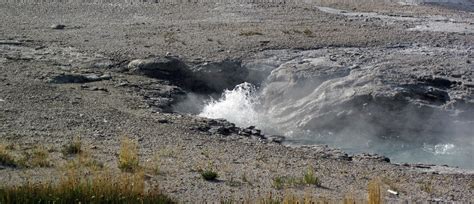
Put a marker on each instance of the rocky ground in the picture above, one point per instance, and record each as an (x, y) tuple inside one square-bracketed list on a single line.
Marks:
[(83, 80)]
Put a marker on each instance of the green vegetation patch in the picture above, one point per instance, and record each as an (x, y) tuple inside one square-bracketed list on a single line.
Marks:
[(103, 188)]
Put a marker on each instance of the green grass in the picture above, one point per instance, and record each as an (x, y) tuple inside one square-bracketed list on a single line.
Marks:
[(308, 178), (278, 182), (209, 175)]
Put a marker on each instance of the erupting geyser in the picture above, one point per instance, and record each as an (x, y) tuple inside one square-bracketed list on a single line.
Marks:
[(373, 104), (239, 106)]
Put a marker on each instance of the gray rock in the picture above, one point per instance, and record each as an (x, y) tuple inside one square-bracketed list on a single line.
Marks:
[(102, 64), (160, 67), (78, 78), (217, 76), (275, 138), (376, 98), (370, 157), (58, 26), (205, 78)]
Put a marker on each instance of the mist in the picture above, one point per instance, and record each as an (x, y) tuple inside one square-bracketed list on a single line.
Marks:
[(312, 99)]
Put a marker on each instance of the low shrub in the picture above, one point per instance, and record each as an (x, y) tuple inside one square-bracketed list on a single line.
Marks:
[(209, 175)]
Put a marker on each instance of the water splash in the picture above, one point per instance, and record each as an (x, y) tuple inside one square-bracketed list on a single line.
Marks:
[(244, 106), (440, 149), (238, 106)]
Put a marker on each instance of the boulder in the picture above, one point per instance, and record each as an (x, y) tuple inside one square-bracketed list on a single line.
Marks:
[(160, 67), (217, 76), (208, 77)]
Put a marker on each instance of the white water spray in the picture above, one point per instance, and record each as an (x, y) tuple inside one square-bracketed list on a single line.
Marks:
[(238, 106)]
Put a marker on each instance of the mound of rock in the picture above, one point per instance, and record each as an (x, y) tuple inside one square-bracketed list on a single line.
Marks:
[(400, 94), (205, 77)]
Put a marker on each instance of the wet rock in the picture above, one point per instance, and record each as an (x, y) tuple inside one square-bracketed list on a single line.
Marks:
[(275, 138), (370, 157), (312, 92), (223, 127), (255, 132), (219, 130), (78, 78)]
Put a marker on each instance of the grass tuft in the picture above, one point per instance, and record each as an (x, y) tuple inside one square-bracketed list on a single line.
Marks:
[(103, 187), (73, 148), (209, 175), (308, 32), (278, 182), (6, 159), (374, 193), (310, 179), (38, 157), (128, 155)]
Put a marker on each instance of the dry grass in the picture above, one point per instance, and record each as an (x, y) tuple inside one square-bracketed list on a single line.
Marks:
[(86, 181), (308, 32), (426, 186), (154, 165), (73, 148), (374, 192), (37, 157), (6, 158), (128, 155), (75, 187)]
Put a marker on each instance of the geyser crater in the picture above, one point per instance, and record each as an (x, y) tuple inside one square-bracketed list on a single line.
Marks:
[(375, 104)]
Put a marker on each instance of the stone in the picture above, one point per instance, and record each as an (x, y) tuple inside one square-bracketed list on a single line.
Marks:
[(275, 138), (102, 64), (163, 121), (78, 78), (255, 132), (370, 157), (58, 26), (216, 76), (159, 67), (207, 77)]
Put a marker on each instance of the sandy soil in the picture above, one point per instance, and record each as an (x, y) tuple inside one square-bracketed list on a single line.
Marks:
[(35, 111)]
